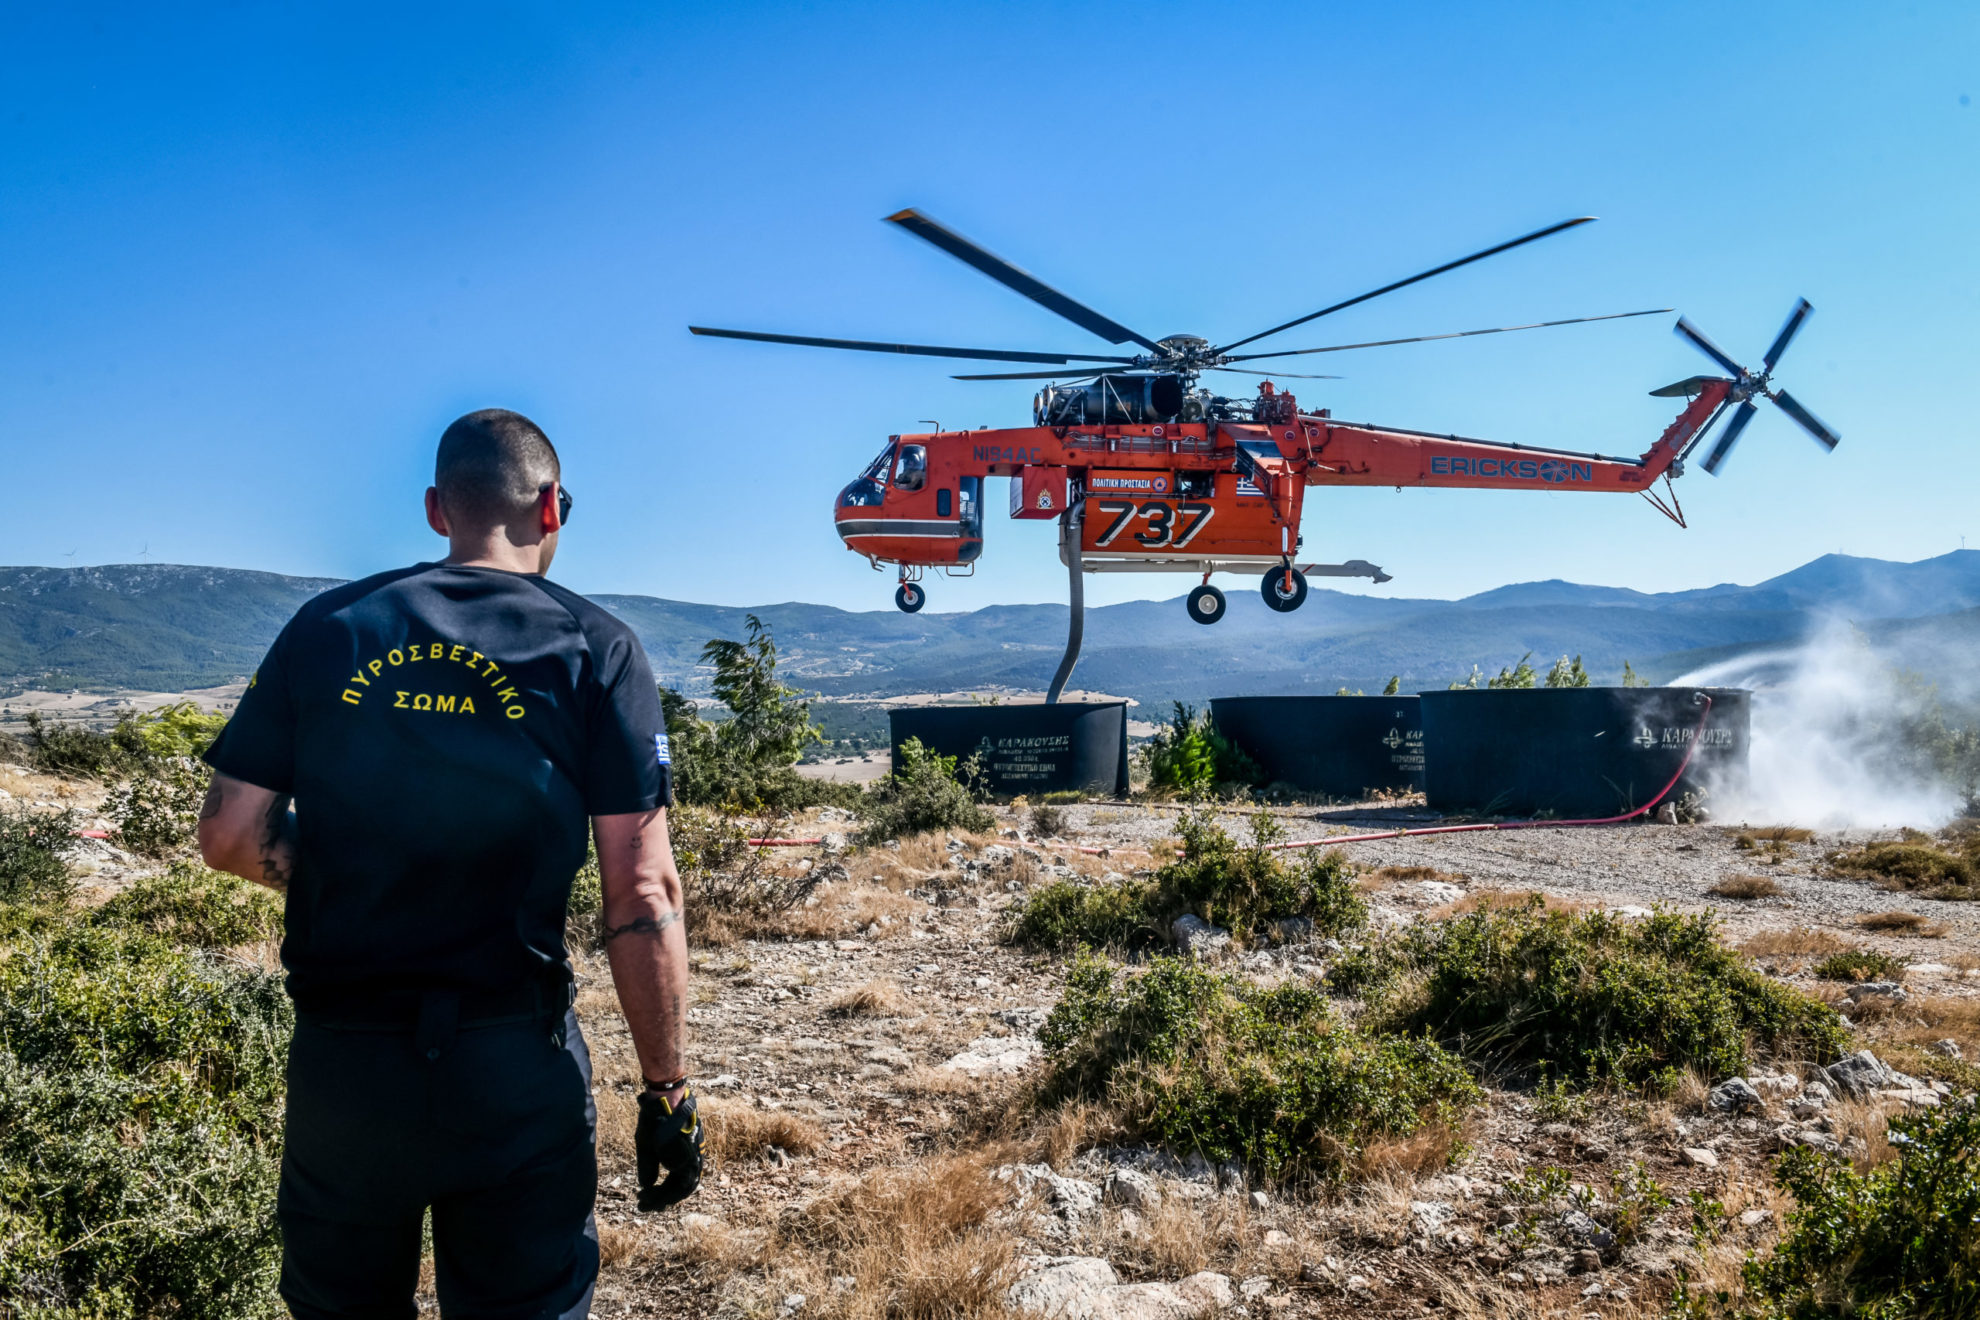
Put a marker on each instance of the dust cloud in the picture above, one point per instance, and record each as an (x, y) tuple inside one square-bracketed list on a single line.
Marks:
[(1845, 734)]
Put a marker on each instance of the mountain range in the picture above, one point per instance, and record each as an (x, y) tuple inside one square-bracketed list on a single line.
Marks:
[(172, 627)]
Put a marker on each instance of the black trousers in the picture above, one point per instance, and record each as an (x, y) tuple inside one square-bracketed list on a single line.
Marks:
[(490, 1124)]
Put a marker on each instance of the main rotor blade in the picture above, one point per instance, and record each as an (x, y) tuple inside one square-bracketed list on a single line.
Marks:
[(1814, 425), (1068, 373), (1456, 334), (1707, 347), (1802, 308), (1741, 416), (1022, 281), (922, 350), (1391, 288), (1276, 375)]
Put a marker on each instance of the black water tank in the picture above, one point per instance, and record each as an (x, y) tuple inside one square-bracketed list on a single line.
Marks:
[(1340, 746), (1580, 752), (1080, 746)]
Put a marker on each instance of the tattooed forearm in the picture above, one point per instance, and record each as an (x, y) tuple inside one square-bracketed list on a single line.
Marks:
[(278, 847), (640, 926)]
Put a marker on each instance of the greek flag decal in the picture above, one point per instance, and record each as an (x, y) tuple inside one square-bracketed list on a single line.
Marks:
[(660, 749)]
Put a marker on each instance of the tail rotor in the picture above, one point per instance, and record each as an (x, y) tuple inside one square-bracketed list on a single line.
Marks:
[(1751, 385)]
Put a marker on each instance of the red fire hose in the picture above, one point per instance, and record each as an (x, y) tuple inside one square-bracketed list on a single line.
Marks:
[(1663, 793)]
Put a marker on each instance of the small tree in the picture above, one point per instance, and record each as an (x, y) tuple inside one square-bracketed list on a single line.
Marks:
[(1521, 675), (1566, 674), (772, 723), (1633, 679), (748, 761), (1394, 687), (1192, 756)]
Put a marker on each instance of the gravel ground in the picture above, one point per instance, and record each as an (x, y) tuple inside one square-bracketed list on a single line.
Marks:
[(884, 1094)]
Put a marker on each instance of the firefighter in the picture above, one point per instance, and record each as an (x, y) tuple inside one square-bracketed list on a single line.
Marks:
[(416, 765)]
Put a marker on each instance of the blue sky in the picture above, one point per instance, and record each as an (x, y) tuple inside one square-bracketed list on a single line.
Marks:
[(254, 258)]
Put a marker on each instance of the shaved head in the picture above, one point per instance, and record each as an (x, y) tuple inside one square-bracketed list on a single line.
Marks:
[(491, 466)]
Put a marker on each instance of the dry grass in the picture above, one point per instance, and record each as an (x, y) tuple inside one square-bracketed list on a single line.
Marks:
[(837, 911), (1378, 1209), (917, 1242), (1395, 875), (1475, 1297), (618, 1113), (1801, 942), (629, 1246), (876, 998), (1774, 834), (1895, 922), (1062, 1133), (717, 1247), (1486, 900), (923, 852), (1746, 887), (737, 1133), (1424, 1151), (1180, 1237), (1930, 1018)]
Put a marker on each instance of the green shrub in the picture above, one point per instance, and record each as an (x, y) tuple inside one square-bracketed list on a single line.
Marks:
[(1239, 887), (1901, 1242), (1861, 965), (1048, 821), (157, 812), (33, 845), (191, 907), (140, 1128), (1593, 995), (74, 749), (922, 793), (1918, 863), (1632, 679), (1242, 887), (179, 729), (1273, 1078), (1066, 915), (1191, 756)]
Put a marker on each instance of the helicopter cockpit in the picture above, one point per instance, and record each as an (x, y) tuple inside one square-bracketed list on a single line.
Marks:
[(869, 489)]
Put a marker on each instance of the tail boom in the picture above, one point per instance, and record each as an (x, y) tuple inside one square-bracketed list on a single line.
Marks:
[(1347, 454)]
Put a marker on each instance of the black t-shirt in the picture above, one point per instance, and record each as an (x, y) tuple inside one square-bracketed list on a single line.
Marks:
[(446, 733)]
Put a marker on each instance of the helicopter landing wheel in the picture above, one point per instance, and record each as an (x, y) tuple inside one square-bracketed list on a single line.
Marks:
[(1206, 604), (1276, 595), (910, 597)]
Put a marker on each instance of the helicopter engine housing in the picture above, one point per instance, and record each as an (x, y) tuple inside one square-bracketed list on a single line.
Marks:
[(1112, 401)]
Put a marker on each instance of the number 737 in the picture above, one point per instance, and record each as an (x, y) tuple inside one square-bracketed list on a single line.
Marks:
[(1168, 524)]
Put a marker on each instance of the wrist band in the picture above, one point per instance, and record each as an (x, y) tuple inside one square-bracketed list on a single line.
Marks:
[(674, 1085)]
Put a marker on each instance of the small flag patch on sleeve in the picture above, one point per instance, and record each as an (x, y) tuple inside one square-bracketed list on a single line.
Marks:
[(660, 749)]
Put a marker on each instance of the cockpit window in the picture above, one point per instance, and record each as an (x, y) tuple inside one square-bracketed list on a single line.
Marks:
[(877, 469), (912, 469)]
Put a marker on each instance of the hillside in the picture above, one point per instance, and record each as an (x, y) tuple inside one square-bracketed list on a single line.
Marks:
[(171, 627)]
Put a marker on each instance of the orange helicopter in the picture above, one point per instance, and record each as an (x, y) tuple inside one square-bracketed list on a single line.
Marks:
[(1147, 472)]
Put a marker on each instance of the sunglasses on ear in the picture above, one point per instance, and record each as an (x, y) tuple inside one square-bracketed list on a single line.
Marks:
[(563, 501)]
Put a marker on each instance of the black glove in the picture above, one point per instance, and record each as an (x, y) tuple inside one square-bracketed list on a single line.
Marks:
[(667, 1136)]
